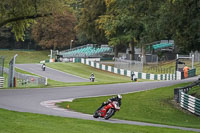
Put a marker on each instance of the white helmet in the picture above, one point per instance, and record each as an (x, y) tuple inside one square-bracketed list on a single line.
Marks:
[(119, 96)]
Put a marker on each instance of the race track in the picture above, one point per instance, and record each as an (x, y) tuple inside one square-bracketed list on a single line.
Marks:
[(41, 100), (50, 73)]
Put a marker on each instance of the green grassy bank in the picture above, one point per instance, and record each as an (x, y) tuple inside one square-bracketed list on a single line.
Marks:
[(154, 106), (17, 122)]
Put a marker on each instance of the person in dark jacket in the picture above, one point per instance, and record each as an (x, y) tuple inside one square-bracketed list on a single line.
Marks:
[(43, 67), (118, 98)]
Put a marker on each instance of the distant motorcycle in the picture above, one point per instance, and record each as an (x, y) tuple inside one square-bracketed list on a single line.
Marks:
[(43, 67), (107, 111), (92, 78)]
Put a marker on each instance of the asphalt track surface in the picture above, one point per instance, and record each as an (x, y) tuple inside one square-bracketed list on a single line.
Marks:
[(42, 100), (51, 73)]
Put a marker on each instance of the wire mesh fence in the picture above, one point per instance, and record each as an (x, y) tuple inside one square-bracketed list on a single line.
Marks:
[(136, 66), (160, 70), (25, 80)]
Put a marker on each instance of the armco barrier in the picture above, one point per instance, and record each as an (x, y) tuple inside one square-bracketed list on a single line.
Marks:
[(91, 62), (138, 75), (186, 101), (1, 82), (190, 103)]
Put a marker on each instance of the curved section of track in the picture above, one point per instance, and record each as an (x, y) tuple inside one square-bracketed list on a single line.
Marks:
[(28, 100), (51, 73)]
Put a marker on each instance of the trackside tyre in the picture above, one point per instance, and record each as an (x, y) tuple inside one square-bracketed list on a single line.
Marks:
[(109, 113)]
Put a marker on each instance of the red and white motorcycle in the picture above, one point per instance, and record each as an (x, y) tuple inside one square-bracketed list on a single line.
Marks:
[(107, 111)]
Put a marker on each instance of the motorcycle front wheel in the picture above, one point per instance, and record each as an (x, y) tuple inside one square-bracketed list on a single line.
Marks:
[(109, 114), (95, 115)]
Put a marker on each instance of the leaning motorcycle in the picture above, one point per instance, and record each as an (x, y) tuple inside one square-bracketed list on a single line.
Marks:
[(43, 68), (107, 111)]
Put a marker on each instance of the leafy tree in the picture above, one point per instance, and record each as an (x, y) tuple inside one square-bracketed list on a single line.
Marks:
[(87, 23), (180, 20), (131, 22), (55, 32), (20, 14)]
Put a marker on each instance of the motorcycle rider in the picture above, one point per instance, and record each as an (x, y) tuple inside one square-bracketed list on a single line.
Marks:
[(118, 98), (92, 77), (43, 67)]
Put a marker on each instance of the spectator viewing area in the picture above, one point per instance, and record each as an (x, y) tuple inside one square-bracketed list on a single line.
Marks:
[(89, 50)]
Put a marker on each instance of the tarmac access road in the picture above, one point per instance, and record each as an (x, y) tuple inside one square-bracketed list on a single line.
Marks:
[(51, 73), (42, 100)]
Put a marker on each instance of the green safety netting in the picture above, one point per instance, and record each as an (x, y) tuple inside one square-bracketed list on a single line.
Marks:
[(162, 45)]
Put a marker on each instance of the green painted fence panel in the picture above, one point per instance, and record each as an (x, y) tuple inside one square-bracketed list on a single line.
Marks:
[(147, 76), (155, 77), (139, 75), (161, 77), (118, 70), (106, 68), (100, 66), (125, 72), (112, 69)]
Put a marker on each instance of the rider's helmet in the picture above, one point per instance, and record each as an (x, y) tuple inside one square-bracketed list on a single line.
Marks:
[(119, 96)]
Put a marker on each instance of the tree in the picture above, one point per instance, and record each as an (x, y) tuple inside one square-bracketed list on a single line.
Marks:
[(180, 20), (55, 32), (120, 23), (130, 22), (20, 14), (87, 24)]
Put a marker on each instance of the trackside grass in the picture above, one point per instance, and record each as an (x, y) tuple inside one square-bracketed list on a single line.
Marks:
[(17, 122), (195, 91), (101, 77), (24, 57), (153, 106)]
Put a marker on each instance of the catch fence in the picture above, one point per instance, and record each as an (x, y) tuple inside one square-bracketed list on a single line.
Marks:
[(25, 80), (131, 65)]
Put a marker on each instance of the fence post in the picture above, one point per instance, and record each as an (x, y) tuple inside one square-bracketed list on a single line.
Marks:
[(46, 81), (176, 95)]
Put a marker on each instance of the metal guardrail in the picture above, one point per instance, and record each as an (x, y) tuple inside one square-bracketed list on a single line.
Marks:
[(190, 103), (186, 101)]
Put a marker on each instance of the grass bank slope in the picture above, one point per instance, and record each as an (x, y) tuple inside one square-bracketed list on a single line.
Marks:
[(24, 56), (153, 106), (17, 122)]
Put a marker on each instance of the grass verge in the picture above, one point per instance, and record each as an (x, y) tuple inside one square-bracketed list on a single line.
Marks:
[(154, 106), (18, 122), (24, 56), (101, 77), (195, 91)]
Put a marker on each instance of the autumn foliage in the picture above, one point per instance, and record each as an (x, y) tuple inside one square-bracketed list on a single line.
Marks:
[(55, 32)]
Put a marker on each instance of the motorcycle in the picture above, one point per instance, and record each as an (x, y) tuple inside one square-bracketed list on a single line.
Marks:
[(43, 68), (92, 78), (107, 111)]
